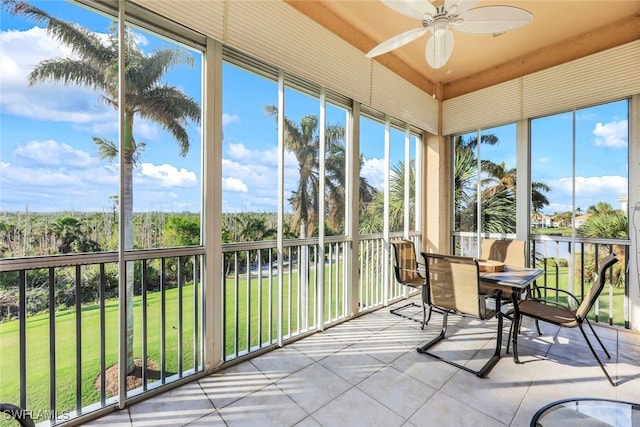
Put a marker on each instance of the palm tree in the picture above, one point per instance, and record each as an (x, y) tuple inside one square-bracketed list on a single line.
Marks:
[(539, 200), (506, 179), (371, 220), (498, 190), (96, 67), (303, 140), (600, 207), (606, 224), (67, 230)]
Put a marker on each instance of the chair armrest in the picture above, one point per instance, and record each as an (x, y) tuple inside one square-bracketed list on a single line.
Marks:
[(548, 301), (408, 269)]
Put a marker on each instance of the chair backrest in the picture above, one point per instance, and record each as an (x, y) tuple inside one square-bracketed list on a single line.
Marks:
[(598, 284), (453, 284), (511, 252), (406, 266)]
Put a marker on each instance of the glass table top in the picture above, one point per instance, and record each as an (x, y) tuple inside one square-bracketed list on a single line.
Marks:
[(587, 412)]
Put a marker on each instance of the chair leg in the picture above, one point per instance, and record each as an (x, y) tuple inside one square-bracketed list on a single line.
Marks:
[(397, 310), (509, 336), (496, 354), (511, 331), (487, 366), (425, 318), (438, 338), (515, 325), (593, 351), (598, 338)]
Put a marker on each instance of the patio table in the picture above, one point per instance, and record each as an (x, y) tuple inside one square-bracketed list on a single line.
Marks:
[(517, 279), (587, 412)]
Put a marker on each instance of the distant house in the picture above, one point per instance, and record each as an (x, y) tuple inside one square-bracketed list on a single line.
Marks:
[(540, 220), (624, 203), (579, 220)]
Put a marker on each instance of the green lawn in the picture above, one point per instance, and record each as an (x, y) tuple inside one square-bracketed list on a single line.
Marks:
[(38, 348)]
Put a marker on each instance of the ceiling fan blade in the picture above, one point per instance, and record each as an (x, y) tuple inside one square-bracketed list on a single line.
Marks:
[(397, 41), (417, 9), (439, 48), (492, 20), (456, 7)]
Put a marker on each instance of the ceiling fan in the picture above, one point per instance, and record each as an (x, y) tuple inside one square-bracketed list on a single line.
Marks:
[(456, 14)]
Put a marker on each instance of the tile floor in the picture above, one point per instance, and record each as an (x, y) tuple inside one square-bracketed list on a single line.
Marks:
[(367, 372)]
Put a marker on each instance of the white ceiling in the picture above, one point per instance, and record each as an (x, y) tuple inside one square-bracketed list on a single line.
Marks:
[(561, 30)]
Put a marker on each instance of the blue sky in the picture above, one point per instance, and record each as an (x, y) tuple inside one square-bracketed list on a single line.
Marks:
[(48, 161)]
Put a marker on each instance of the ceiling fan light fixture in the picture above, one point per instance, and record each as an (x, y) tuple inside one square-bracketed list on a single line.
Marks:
[(453, 14), (440, 26)]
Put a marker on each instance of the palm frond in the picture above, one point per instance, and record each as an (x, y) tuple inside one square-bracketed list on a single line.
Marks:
[(68, 71), (82, 41)]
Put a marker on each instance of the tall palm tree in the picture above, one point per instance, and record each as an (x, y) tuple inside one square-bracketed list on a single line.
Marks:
[(498, 190), (503, 178), (303, 140), (371, 220), (95, 66)]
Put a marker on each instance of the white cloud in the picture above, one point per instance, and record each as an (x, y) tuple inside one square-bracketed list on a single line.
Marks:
[(165, 175), (588, 191), (373, 171), (612, 134), (592, 185), (53, 153), (239, 152), (234, 184), (20, 52), (229, 118)]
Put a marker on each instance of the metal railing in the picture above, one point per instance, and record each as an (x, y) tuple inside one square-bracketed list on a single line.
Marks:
[(62, 333), (570, 264), (63, 339), (376, 288), (268, 300)]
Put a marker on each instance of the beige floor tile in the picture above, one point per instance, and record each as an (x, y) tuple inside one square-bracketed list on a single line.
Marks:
[(401, 393), (444, 410), (367, 372), (352, 365), (308, 422), (212, 420), (233, 383), (265, 408), (497, 396), (355, 408), (313, 386), (384, 350), (281, 362), (115, 419), (176, 407), (426, 369), (319, 346)]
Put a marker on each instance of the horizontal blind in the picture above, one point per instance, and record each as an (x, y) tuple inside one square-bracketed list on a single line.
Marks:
[(602, 77), (594, 79), (492, 106), (278, 33), (401, 99), (204, 17)]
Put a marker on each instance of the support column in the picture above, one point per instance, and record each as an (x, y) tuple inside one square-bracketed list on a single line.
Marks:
[(437, 195), (634, 213)]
